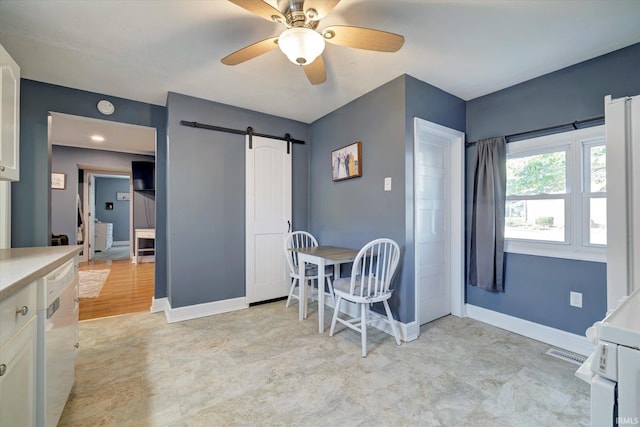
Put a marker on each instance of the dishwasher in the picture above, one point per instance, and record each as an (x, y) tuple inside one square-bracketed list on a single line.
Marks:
[(58, 306)]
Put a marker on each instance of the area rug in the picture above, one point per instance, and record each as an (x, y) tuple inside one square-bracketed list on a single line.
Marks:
[(91, 282)]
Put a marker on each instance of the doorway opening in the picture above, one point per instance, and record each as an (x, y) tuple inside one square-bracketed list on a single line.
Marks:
[(107, 223), (97, 207)]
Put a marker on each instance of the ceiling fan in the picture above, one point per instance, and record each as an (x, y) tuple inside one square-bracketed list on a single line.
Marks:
[(301, 43)]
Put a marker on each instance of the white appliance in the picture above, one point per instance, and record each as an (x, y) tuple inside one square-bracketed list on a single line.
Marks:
[(58, 306), (613, 370), (104, 236), (622, 124)]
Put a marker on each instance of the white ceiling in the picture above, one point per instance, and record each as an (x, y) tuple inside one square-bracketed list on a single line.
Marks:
[(142, 49), (74, 131)]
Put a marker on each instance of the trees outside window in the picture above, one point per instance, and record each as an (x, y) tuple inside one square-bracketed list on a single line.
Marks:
[(556, 195)]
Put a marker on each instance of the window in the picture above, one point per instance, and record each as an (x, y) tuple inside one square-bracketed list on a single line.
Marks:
[(556, 195), (595, 193)]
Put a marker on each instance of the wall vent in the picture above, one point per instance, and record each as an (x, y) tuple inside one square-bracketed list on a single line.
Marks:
[(566, 356)]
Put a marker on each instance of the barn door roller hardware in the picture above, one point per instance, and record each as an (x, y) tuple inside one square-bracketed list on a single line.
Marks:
[(248, 131)]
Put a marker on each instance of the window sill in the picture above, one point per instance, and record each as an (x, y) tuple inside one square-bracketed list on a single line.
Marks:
[(556, 253)]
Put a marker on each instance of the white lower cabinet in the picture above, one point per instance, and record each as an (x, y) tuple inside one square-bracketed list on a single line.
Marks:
[(18, 356), (104, 236)]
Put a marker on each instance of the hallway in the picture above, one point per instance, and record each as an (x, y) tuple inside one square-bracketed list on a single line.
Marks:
[(129, 288)]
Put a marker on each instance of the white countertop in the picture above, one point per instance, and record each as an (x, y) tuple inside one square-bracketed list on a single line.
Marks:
[(21, 266)]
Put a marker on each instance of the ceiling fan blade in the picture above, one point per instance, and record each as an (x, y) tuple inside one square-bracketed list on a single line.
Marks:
[(363, 38), (251, 51), (322, 7), (316, 73), (260, 8)]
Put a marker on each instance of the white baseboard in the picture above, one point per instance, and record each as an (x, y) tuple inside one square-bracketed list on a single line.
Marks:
[(408, 331), (143, 258), (202, 310), (160, 304), (555, 337), (120, 243)]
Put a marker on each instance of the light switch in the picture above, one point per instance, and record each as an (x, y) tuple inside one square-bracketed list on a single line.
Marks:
[(387, 184)]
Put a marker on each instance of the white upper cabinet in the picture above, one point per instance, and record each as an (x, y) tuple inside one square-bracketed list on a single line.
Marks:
[(9, 117)]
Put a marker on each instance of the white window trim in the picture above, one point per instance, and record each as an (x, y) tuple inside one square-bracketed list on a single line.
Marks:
[(588, 195), (577, 245)]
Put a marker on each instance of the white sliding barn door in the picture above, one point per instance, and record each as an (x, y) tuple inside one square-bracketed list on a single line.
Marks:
[(268, 215), (438, 223)]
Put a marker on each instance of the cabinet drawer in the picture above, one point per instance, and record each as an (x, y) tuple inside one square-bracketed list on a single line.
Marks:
[(12, 309)]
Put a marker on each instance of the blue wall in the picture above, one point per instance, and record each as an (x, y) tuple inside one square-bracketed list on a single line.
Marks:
[(63, 202), (206, 189), (537, 288), (30, 222), (106, 189), (204, 174), (435, 105), (352, 212)]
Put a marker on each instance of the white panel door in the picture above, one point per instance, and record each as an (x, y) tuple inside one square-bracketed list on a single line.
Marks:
[(268, 216), (438, 221)]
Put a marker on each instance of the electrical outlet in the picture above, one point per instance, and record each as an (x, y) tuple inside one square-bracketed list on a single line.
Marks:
[(575, 299), (387, 184)]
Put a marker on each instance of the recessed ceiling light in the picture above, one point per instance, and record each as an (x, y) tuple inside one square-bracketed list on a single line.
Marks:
[(97, 138)]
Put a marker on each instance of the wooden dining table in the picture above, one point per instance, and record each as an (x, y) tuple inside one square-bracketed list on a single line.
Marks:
[(320, 256)]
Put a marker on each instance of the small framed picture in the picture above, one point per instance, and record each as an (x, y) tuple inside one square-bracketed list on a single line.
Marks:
[(58, 181), (346, 162)]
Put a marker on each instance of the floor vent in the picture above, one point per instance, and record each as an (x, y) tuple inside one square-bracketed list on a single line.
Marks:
[(566, 356)]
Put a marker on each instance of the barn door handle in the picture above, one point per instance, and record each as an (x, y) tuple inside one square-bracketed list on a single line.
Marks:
[(288, 226)]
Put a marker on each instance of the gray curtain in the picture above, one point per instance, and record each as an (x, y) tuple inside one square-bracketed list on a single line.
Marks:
[(486, 258)]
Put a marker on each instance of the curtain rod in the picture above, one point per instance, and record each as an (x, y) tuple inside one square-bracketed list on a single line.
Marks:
[(249, 131), (549, 128)]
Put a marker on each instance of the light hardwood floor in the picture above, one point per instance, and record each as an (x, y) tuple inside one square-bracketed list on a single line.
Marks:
[(128, 289)]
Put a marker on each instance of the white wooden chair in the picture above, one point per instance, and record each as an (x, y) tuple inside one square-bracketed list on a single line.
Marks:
[(303, 239), (371, 275)]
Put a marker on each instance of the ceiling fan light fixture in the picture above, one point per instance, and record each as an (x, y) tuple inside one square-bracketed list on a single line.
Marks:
[(301, 45), (311, 14)]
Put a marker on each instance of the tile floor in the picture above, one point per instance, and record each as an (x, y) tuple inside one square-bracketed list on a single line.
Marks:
[(261, 366)]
